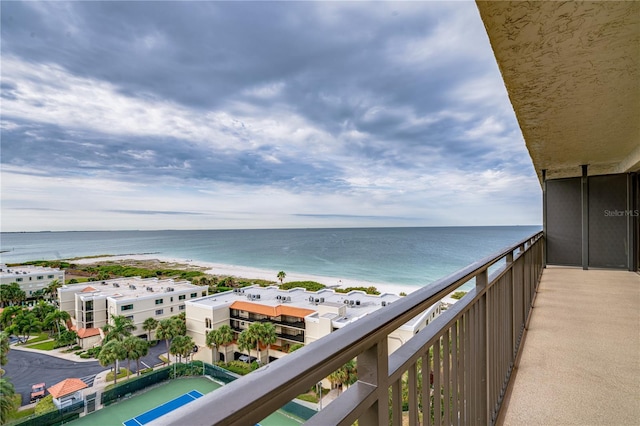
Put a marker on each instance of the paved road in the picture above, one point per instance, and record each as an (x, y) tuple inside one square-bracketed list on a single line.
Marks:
[(26, 368)]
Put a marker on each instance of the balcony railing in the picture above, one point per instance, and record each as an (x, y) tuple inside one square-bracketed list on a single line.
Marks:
[(252, 318), (455, 371)]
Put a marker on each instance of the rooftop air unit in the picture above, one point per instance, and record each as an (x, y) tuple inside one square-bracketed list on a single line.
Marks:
[(322, 300), (384, 303), (288, 298), (257, 296), (358, 302), (351, 302)]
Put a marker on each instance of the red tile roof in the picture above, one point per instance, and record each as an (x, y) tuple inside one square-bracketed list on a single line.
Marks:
[(88, 289), (88, 332), (66, 387), (272, 311)]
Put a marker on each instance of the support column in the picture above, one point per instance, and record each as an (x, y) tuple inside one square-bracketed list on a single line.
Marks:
[(585, 217), (544, 215)]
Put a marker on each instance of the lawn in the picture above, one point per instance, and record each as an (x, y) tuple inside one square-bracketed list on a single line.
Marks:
[(40, 337), (44, 346)]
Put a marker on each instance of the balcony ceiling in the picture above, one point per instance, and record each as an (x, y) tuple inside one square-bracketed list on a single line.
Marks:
[(572, 71)]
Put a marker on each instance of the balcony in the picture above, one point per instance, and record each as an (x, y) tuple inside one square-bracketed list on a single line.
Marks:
[(253, 318), (466, 356), (580, 362)]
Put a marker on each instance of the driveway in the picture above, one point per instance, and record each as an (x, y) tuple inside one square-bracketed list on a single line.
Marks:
[(27, 368)]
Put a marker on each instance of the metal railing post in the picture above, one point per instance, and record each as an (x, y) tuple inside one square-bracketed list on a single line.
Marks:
[(482, 279), (373, 369)]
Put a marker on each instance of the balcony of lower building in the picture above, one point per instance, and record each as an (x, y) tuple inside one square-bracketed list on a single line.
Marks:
[(580, 361), (286, 321)]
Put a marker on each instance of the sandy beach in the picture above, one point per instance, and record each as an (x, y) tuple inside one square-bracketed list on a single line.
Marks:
[(255, 273)]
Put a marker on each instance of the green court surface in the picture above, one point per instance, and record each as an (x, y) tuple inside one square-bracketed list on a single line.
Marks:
[(116, 414)]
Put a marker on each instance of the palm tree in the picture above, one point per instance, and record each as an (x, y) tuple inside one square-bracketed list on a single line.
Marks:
[(130, 347), (338, 378), (119, 328), (149, 325), (268, 336), (246, 341), (219, 337), (24, 323), (182, 346), (7, 402), (166, 331), (4, 349), (112, 352), (180, 322), (55, 318), (52, 289), (42, 309), (142, 349), (281, 276), (255, 332), (8, 314), (11, 294)]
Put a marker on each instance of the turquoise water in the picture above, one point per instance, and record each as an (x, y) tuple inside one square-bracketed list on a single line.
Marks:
[(406, 256)]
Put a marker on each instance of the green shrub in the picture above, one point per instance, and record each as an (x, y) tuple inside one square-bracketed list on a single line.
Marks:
[(238, 367), (308, 285), (45, 405), (85, 355), (458, 295), (368, 290)]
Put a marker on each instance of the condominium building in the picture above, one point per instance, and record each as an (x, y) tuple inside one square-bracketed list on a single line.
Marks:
[(91, 305), (30, 278), (299, 316)]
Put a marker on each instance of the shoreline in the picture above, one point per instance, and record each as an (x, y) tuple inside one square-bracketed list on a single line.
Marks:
[(248, 272)]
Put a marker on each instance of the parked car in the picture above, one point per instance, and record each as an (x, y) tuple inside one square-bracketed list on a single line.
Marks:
[(37, 392)]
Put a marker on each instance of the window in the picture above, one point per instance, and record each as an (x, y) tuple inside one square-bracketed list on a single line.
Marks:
[(194, 295), (207, 322), (40, 277), (204, 293), (159, 301), (181, 307), (172, 309), (19, 280), (172, 298), (182, 297), (88, 305), (126, 307), (129, 317), (49, 276), (159, 311)]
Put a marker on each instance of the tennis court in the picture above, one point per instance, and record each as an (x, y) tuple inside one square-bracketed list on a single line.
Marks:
[(139, 404), (161, 410)]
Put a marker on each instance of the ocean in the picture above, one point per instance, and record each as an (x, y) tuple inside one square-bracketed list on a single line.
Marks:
[(401, 256)]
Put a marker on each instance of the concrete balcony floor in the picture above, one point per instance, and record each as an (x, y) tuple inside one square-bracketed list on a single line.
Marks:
[(580, 363)]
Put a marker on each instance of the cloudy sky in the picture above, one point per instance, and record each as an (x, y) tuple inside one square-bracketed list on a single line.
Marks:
[(143, 115)]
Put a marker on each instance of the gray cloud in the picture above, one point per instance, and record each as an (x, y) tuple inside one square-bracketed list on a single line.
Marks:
[(325, 98)]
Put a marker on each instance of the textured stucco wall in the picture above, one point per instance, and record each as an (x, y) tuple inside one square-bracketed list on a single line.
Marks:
[(572, 72)]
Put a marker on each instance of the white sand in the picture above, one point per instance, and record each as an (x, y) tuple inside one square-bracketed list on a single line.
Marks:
[(263, 274)]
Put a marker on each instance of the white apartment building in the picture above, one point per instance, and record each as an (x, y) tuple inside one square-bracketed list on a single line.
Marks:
[(91, 305), (30, 278), (300, 316)]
